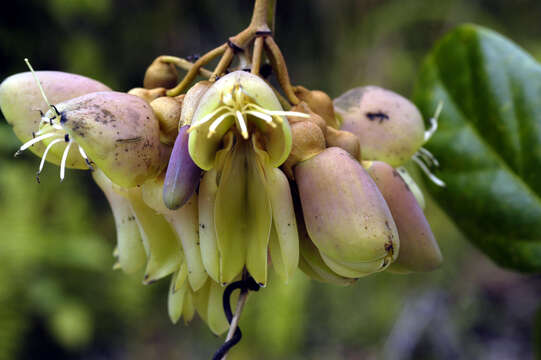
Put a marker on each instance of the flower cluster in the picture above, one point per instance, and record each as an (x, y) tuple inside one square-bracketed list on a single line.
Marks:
[(230, 178)]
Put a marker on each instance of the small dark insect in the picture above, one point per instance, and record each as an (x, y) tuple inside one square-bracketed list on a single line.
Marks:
[(377, 116)]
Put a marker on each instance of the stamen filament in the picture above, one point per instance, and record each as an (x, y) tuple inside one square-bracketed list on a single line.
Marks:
[(31, 142), (206, 118), (242, 124), (428, 173), (42, 162), (429, 158), (217, 122), (37, 81), (63, 162), (262, 116), (434, 122)]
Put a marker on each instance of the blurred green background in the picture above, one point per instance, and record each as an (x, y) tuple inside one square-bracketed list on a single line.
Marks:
[(60, 298)]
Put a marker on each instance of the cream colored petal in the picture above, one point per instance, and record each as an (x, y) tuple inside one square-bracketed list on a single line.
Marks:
[(207, 230)]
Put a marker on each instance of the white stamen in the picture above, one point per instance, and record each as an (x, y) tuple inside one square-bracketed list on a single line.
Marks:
[(434, 122), (206, 118), (428, 173), (278, 112), (242, 124), (216, 123), (42, 162), (262, 116), (82, 152), (429, 158), (63, 162), (31, 142)]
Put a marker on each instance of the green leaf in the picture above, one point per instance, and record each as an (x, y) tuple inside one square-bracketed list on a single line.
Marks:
[(488, 142)]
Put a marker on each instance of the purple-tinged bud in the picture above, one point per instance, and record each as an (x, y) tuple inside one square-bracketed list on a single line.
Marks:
[(345, 214), (182, 174), (419, 250)]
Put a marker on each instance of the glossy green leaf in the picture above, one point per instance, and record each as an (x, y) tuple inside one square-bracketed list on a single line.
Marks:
[(488, 142)]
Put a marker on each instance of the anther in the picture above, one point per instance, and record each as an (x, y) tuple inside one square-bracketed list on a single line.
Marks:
[(66, 138)]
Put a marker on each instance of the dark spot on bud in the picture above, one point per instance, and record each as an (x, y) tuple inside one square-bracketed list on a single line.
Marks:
[(377, 116), (387, 225), (63, 117), (389, 247)]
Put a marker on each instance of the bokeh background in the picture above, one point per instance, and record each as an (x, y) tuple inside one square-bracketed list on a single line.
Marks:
[(60, 298)]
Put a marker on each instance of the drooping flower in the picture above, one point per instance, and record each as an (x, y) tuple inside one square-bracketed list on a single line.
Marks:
[(240, 135)]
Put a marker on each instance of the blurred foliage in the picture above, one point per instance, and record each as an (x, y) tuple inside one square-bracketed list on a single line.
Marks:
[(59, 298), (488, 141)]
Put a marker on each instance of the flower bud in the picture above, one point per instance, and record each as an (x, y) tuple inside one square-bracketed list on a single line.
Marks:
[(389, 127), (419, 250), (147, 94), (117, 131), (167, 110), (345, 214), (21, 103), (182, 175), (344, 140), (160, 74), (191, 100), (307, 142), (320, 103), (302, 107)]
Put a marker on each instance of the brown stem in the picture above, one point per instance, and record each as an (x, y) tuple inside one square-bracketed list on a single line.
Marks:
[(279, 64), (222, 66), (258, 52), (192, 73), (184, 64), (259, 16), (271, 14)]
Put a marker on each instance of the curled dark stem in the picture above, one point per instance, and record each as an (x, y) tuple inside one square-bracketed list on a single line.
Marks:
[(245, 285)]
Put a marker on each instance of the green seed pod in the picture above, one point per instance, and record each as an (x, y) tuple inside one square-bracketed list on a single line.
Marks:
[(419, 250), (117, 131), (345, 214), (21, 103), (160, 74), (389, 127)]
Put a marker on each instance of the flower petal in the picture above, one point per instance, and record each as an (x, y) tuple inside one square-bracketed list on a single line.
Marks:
[(162, 248), (230, 215), (258, 220), (185, 224), (207, 230)]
